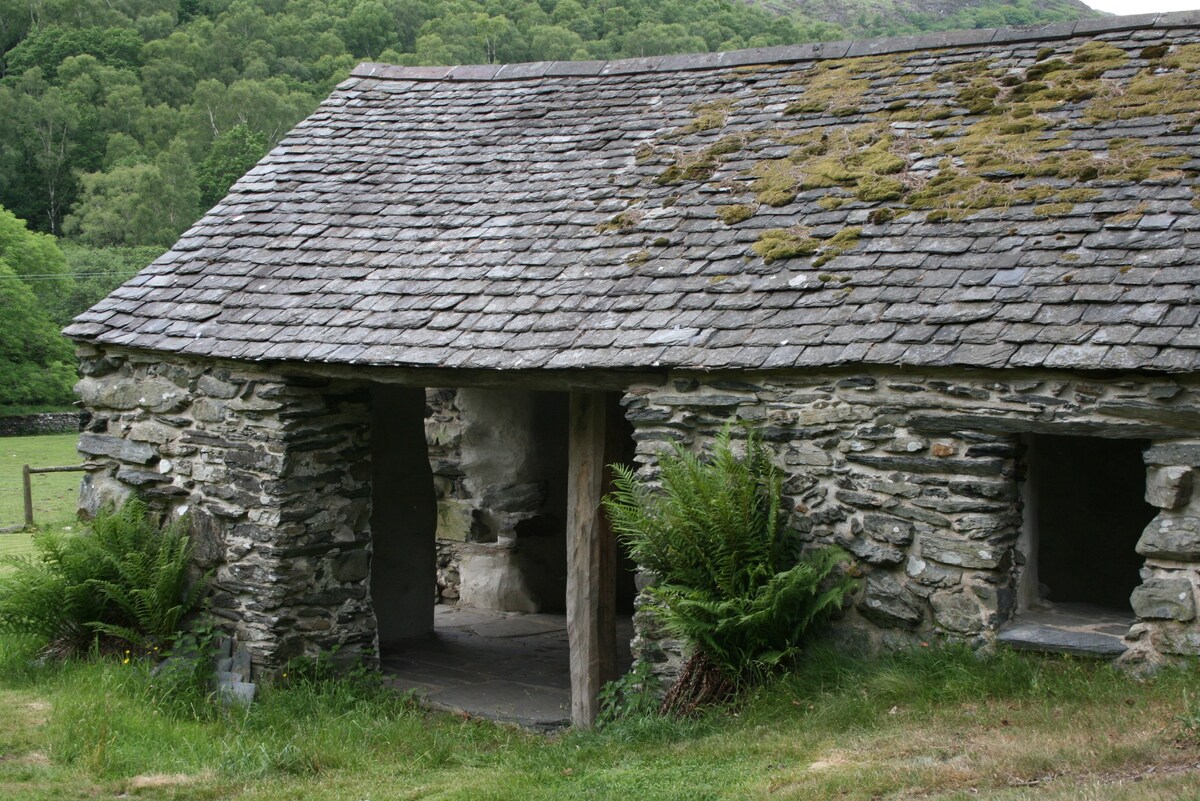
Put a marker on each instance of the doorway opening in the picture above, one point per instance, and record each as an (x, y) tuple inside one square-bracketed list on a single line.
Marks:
[(489, 575), (1084, 510)]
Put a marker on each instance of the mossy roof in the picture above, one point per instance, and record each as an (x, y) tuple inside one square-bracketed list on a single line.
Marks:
[(1006, 198)]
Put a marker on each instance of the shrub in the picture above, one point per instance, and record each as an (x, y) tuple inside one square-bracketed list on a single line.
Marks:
[(124, 578), (632, 696), (731, 579)]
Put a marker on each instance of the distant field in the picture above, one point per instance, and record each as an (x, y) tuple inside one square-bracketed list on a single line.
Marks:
[(54, 494)]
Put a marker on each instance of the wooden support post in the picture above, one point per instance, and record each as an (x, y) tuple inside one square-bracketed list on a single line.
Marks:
[(590, 652), (28, 487), (606, 618)]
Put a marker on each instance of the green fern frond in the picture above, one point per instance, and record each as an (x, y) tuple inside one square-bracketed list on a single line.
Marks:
[(714, 533), (124, 577)]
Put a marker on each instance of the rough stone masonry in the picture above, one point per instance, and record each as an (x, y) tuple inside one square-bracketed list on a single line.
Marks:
[(916, 474), (898, 305), (275, 473)]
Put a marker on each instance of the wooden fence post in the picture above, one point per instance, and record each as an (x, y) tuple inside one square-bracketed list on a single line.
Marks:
[(27, 471), (28, 487)]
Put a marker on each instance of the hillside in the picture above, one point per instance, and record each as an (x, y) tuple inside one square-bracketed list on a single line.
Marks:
[(890, 17), (121, 123)]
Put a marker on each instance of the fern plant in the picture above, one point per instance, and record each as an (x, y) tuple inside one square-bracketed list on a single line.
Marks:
[(145, 575), (731, 580), (124, 578)]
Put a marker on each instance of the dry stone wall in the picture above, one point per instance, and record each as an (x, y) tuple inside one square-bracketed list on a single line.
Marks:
[(1166, 600), (916, 474), (918, 477), (275, 473), (46, 423)]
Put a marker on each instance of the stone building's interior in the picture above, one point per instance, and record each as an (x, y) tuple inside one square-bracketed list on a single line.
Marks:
[(493, 505)]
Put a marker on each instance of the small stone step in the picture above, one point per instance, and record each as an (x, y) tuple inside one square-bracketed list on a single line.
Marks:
[(1078, 629), (1050, 639)]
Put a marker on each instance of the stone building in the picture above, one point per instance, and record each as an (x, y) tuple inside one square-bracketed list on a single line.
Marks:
[(952, 279)]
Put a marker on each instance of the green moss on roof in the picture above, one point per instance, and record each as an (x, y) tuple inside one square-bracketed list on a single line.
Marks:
[(779, 243), (838, 244), (708, 116), (734, 214), (994, 129)]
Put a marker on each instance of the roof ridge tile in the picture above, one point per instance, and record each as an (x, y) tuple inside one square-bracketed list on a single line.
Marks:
[(783, 54)]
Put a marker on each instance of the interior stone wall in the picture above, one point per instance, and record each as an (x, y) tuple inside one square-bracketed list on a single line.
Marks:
[(917, 476), (498, 459), (276, 475)]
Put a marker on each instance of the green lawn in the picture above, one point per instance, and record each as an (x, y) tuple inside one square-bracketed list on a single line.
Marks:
[(54, 494), (934, 725)]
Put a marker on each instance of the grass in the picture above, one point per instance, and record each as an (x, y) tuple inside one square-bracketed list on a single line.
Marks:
[(939, 724), (54, 494)]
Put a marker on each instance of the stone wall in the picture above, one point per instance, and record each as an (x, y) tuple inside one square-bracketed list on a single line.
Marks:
[(47, 423), (919, 478), (1166, 600), (275, 473), (498, 459), (448, 577)]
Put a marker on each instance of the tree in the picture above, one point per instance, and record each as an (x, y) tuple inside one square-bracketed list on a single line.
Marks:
[(36, 363), (41, 123), (232, 154), (138, 204), (552, 43), (368, 30), (657, 39), (33, 257), (47, 48)]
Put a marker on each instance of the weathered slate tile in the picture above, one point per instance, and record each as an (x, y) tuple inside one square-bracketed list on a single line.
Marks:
[(544, 214)]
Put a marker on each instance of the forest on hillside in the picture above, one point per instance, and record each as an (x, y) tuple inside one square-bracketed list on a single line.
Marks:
[(122, 121)]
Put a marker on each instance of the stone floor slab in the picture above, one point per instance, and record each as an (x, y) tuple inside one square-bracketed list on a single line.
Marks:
[(498, 665), (1079, 629)]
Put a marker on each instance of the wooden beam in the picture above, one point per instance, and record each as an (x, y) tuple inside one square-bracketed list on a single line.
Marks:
[(590, 652)]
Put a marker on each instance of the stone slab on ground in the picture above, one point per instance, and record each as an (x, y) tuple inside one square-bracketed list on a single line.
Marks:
[(529, 706), (501, 666), (1070, 629)]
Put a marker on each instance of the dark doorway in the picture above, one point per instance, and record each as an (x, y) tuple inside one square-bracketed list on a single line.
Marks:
[(620, 449), (403, 516), (1087, 514)]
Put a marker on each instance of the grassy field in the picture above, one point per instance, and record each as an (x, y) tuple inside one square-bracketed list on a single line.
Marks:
[(54, 494), (937, 724), (934, 725)]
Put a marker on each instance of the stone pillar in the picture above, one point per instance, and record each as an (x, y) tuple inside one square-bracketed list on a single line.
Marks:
[(275, 473), (1165, 603)]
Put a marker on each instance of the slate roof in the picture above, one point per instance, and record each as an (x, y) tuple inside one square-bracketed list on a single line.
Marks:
[(587, 215)]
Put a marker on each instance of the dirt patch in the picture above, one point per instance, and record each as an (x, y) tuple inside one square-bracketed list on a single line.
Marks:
[(157, 781)]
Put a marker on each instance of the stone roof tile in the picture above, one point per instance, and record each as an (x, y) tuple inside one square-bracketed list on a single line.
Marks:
[(804, 206)]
